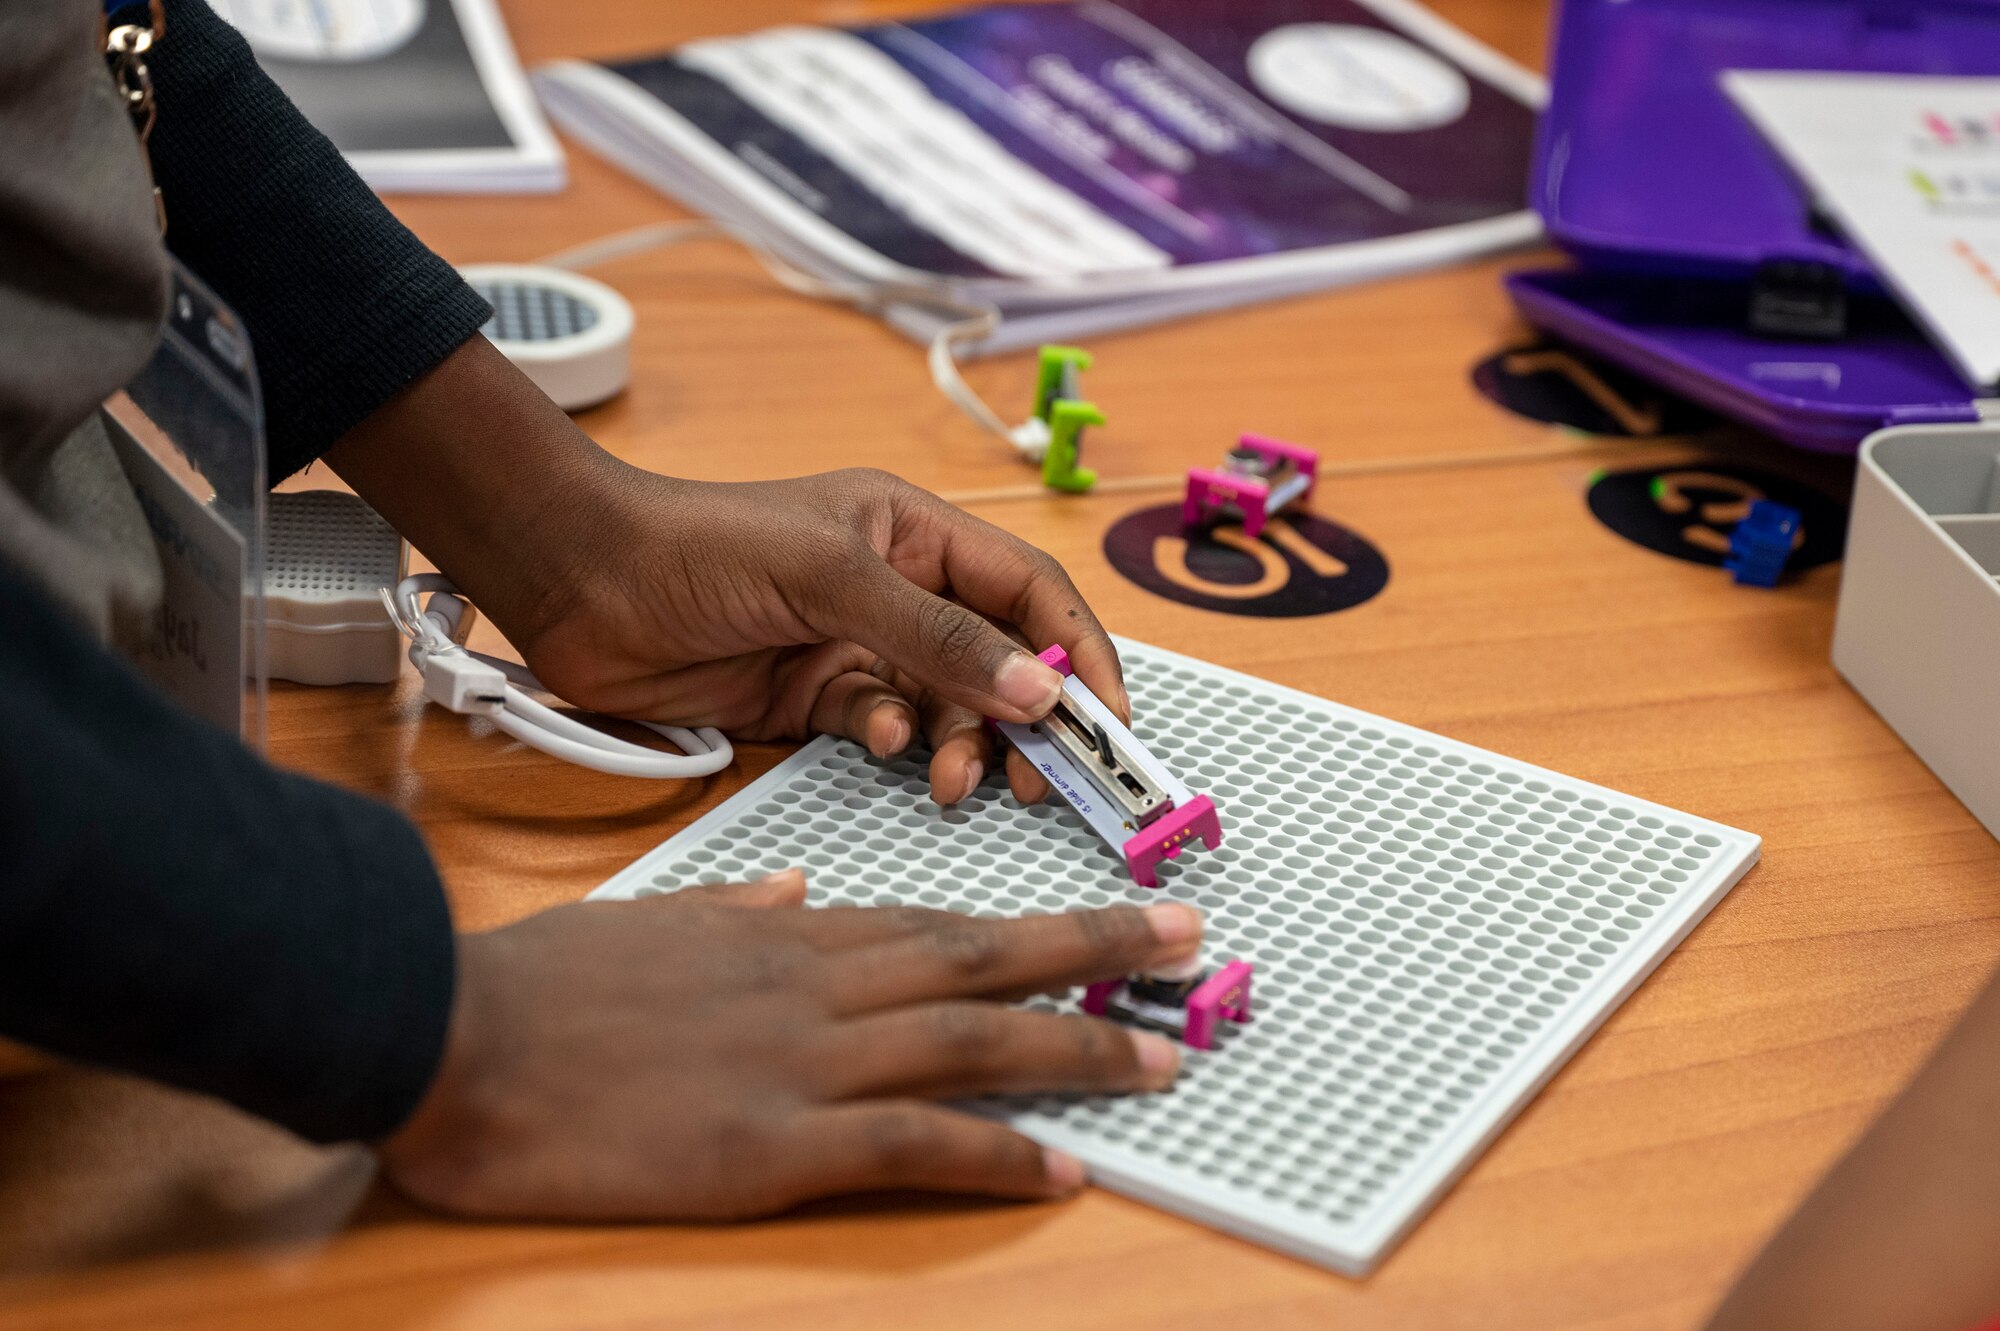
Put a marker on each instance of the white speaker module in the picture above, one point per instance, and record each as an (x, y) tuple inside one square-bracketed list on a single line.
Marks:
[(571, 334)]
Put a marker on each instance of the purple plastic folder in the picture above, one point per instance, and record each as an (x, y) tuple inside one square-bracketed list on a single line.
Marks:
[(1676, 209)]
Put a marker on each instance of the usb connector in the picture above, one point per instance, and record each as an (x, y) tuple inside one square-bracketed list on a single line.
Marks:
[(464, 683)]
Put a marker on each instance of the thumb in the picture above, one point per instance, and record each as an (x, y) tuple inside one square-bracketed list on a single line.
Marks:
[(947, 648)]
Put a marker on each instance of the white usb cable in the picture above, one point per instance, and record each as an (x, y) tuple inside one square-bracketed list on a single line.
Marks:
[(475, 684), (975, 319)]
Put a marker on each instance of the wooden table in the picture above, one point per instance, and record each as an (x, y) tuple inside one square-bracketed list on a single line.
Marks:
[(1624, 1197)]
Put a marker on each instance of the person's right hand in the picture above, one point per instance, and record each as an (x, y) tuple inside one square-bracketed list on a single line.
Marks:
[(721, 1053)]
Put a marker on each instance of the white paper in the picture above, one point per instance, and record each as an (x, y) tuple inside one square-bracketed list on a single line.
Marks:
[(421, 96), (1909, 167)]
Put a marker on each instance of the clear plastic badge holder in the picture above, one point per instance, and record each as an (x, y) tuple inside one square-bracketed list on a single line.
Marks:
[(190, 434)]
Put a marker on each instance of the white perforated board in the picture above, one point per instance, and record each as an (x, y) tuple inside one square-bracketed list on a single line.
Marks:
[(1436, 929)]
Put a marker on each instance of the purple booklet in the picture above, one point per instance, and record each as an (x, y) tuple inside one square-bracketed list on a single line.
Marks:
[(1085, 165)]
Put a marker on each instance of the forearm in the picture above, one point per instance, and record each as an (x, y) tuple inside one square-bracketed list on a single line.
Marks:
[(18, 1060), (1905, 1231), (490, 479)]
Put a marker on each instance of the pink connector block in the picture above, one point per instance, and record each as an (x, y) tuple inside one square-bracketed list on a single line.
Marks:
[(1261, 479), (1223, 996), (1169, 835)]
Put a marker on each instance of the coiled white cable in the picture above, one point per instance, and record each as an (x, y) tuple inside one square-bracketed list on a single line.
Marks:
[(977, 319), (475, 684)]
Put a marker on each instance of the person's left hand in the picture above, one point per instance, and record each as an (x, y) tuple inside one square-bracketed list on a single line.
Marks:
[(851, 603)]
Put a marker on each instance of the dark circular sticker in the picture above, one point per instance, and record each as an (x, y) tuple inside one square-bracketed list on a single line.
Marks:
[(1297, 566), (1688, 510), (1558, 386)]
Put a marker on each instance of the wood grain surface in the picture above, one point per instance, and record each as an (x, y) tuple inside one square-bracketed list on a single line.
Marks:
[(1623, 1199)]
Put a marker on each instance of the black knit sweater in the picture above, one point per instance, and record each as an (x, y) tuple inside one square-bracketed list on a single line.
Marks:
[(344, 305), (169, 904)]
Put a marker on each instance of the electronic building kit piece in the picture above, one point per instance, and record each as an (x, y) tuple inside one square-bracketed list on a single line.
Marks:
[(1436, 930), (1128, 796), (330, 557), (1762, 543), (1260, 479), (1190, 1008), (569, 333), (1061, 408)]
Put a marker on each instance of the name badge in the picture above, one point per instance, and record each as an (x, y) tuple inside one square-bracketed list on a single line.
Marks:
[(189, 432)]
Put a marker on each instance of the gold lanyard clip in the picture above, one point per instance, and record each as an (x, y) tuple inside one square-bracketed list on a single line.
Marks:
[(125, 49)]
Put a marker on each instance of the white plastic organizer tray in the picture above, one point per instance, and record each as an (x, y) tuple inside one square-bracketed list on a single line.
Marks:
[(1436, 929)]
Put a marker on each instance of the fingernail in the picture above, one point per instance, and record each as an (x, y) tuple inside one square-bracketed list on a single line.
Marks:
[(897, 739), (1158, 1058), (975, 771), (783, 876), (1176, 971), (1063, 1174), (1028, 684), (1174, 923)]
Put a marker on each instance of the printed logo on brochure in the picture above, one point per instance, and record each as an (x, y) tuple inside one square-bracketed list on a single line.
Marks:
[(1957, 193), (1353, 77), (1299, 565), (336, 31), (1959, 174), (1943, 130)]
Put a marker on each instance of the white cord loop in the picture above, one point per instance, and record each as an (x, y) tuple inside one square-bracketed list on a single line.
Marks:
[(977, 319), (474, 684)]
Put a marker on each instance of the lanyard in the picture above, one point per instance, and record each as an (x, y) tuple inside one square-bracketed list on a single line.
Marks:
[(131, 27)]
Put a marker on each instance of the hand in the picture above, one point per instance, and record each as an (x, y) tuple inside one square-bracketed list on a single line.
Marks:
[(720, 1054), (851, 603)]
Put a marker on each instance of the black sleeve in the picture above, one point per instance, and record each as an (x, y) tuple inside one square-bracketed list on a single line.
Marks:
[(344, 306), (172, 906)]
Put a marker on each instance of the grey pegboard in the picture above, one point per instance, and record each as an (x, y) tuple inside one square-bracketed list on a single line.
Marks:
[(328, 546), (1436, 930)]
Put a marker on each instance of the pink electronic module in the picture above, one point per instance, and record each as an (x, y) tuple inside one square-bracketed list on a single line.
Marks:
[(1128, 796), (1260, 479), (1190, 1008)]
